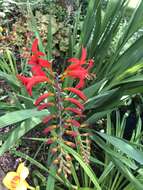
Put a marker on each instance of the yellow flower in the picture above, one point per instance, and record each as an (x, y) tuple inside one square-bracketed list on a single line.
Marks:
[(16, 180)]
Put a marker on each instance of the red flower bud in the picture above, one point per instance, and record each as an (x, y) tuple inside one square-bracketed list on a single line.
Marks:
[(73, 122), (42, 97), (74, 110), (49, 129), (71, 133), (71, 144), (76, 102), (77, 92), (48, 118), (45, 105), (49, 141)]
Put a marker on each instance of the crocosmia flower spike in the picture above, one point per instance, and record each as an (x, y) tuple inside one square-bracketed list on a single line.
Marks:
[(65, 105)]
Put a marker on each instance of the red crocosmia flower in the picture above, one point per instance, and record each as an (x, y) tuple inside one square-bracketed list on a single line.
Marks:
[(38, 62), (35, 80), (37, 71), (78, 70), (42, 97), (78, 62), (74, 110), (79, 93), (76, 102), (24, 79), (35, 46), (45, 105)]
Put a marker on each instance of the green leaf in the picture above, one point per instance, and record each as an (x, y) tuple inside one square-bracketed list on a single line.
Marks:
[(102, 98), (135, 23), (10, 78), (129, 58), (124, 146), (17, 116), (51, 179), (18, 133), (114, 153), (128, 174)]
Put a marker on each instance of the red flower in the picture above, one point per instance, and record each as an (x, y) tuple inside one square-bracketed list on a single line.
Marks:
[(29, 82), (78, 70), (24, 79), (78, 62), (34, 81), (77, 92), (37, 71), (38, 62)]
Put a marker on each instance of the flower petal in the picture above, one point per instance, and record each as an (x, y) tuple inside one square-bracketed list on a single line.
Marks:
[(34, 81), (74, 60), (71, 144), (90, 64), (24, 79), (83, 56), (23, 185), (80, 84), (37, 71), (11, 180), (44, 63), (35, 45), (22, 171)]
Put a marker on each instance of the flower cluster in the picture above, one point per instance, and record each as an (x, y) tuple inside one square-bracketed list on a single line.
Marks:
[(65, 104)]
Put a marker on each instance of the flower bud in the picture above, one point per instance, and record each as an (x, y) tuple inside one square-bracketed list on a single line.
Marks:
[(56, 161), (71, 144), (54, 150), (68, 157)]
